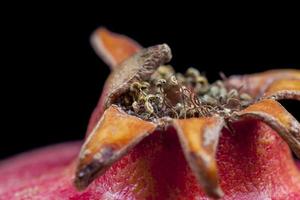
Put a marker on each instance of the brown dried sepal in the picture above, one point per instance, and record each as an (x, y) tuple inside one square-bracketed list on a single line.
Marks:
[(113, 136), (284, 89), (277, 117), (199, 138), (136, 68)]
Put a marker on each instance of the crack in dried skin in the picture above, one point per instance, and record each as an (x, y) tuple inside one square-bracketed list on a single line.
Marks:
[(174, 95)]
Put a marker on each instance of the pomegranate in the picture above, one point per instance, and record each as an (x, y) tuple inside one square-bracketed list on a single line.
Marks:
[(158, 134)]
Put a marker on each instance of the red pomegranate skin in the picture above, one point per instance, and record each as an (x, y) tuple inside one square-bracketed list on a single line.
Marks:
[(253, 162)]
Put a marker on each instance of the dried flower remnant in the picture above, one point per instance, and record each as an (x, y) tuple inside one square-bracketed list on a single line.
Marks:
[(144, 94)]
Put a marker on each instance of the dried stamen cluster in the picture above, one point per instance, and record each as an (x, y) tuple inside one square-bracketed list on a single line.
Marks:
[(178, 95)]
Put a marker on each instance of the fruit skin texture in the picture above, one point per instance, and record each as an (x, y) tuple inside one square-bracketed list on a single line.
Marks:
[(253, 163)]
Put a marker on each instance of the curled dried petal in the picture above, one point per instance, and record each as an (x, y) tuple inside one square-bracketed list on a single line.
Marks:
[(113, 136), (136, 68), (277, 117), (199, 138)]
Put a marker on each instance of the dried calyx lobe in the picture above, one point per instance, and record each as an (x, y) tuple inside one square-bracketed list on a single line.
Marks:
[(150, 90)]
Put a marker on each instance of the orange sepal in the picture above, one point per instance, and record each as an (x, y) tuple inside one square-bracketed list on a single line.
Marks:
[(256, 84), (113, 48), (199, 138), (113, 136), (284, 89), (276, 116)]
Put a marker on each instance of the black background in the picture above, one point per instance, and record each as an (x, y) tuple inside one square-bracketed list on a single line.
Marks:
[(54, 78)]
